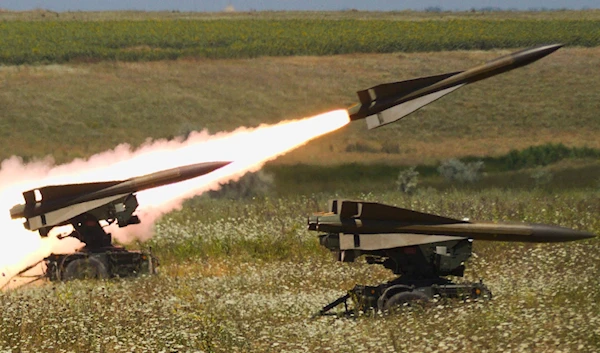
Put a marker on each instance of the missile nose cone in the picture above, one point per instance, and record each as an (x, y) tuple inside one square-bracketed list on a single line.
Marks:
[(550, 48), (216, 165), (546, 233), (196, 170), (530, 55), (201, 168)]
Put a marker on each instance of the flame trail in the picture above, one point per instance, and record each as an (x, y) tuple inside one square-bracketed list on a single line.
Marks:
[(249, 149)]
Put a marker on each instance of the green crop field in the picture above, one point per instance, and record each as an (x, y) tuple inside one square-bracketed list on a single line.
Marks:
[(239, 271), (64, 41)]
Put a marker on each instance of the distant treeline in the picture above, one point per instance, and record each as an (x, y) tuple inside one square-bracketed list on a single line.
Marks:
[(26, 42)]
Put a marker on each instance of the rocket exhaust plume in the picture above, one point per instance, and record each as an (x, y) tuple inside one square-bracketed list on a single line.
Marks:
[(248, 148)]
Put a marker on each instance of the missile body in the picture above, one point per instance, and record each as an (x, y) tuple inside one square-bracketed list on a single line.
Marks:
[(372, 226), (390, 102), (153, 180), (520, 232), (73, 199)]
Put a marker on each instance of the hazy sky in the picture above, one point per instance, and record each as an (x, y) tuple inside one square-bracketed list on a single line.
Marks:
[(246, 5)]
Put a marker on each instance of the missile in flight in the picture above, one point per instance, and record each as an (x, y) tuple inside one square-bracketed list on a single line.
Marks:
[(389, 102)]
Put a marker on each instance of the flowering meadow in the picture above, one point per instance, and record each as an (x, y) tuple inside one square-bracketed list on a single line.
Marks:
[(246, 276)]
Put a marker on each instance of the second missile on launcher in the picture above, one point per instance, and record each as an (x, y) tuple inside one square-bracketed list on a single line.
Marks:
[(363, 222), (422, 248)]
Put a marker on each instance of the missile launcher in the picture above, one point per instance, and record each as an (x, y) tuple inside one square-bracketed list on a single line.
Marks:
[(421, 248), (84, 206)]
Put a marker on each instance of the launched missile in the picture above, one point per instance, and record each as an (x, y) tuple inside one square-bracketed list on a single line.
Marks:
[(386, 103), (55, 205), (374, 226)]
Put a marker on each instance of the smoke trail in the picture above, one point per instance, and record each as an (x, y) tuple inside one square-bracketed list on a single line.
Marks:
[(248, 148)]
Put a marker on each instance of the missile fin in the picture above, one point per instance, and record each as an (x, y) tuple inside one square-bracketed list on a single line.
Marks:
[(66, 191), (63, 215), (399, 89), (332, 206), (380, 212), (29, 197), (389, 240), (399, 111), (347, 208), (364, 97)]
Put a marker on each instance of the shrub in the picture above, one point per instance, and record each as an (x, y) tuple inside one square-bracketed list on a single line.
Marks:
[(541, 176), (455, 170), (407, 180)]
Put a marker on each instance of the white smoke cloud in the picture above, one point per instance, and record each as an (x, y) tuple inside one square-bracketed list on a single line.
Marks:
[(248, 149)]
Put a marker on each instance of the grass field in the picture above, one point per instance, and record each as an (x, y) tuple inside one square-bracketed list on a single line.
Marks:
[(247, 277), (76, 110), (244, 275)]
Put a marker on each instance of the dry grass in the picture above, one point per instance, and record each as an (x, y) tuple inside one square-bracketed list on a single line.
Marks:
[(80, 109)]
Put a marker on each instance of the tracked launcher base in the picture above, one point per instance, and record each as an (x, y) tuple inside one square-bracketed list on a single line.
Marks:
[(98, 259), (422, 269), (405, 291), (110, 263)]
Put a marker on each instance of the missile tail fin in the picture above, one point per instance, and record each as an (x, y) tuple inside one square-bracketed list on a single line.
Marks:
[(399, 89), (381, 241), (381, 212), (55, 192), (63, 215), (399, 111)]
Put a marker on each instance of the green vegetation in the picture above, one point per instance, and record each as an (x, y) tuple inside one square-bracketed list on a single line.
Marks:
[(247, 276), (305, 178), (535, 156), (579, 169), (67, 41), (244, 274), (273, 228)]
